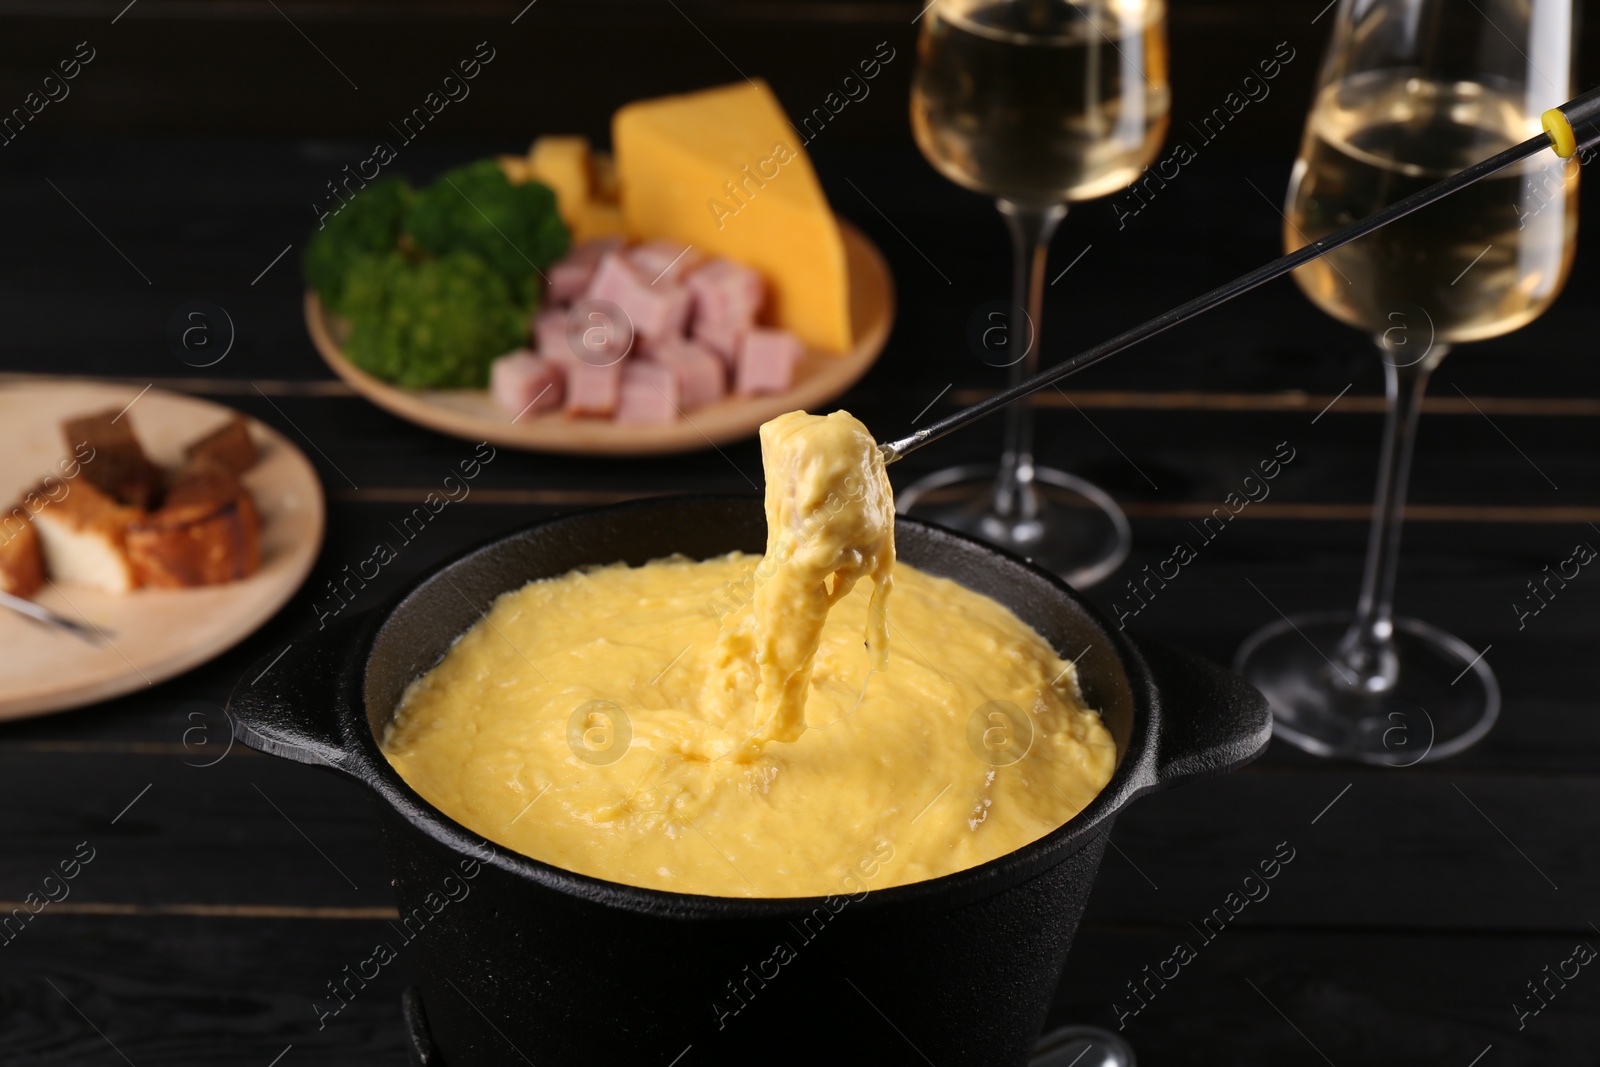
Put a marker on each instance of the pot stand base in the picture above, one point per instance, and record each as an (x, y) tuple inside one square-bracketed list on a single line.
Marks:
[(1066, 1046)]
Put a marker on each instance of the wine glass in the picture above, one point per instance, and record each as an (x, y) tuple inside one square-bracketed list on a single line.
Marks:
[(1411, 91), (1036, 103)]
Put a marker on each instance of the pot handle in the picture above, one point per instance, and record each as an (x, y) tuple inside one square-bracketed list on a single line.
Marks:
[(1212, 721), (287, 704)]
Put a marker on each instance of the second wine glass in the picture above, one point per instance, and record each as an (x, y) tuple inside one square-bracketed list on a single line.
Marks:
[(1412, 91), (1037, 103)]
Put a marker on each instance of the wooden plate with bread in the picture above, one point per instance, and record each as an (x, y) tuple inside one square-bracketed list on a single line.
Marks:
[(168, 528)]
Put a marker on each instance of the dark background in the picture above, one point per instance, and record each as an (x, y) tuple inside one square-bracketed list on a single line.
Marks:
[(198, 139)]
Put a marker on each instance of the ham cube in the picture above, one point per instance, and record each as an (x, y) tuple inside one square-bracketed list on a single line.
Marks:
[(582, 334), (655, 312), (569, 278), (663, 262), (593, 390), (725, 289), (727, 297), (550, 336), (767, 360), (599, 246), (722, 337), (702, 376), (649, 394), (524, 384)]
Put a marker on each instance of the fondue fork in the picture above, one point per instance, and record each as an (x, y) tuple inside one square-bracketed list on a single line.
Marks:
[(29, 610), (1561, 126)]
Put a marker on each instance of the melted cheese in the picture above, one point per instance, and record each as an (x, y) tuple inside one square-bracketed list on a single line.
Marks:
[(720, 727), (830, 522)]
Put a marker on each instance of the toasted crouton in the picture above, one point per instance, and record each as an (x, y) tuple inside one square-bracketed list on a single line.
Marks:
[(206, 533), (83, 535), (21, 559), (119, 467), (229, 446)]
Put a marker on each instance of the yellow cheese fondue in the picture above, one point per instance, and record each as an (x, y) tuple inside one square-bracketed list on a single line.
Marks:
[(747, 726)]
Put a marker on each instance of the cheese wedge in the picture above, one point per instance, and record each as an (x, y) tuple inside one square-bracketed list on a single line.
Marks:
[(723, 170)]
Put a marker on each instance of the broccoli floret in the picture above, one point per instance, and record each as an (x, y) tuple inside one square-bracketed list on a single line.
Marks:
[(434, 324), (515, 228), (369, 223)]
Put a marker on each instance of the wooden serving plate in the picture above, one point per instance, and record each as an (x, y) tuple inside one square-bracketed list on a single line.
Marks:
[(153, 633), (472, 414)]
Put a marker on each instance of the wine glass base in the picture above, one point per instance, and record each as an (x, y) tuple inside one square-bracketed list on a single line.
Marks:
[(1081, 1046), (1444, 700), (1079, 533)]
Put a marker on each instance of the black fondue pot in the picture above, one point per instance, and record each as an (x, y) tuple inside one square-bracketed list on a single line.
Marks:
[(524, 963)]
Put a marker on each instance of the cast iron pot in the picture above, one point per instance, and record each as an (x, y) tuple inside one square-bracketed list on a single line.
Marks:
[(522, 962)]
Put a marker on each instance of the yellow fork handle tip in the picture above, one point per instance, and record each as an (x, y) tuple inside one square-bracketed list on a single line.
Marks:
[(1562, 139)]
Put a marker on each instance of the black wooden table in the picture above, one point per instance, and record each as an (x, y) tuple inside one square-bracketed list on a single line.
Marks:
[(227, 889)]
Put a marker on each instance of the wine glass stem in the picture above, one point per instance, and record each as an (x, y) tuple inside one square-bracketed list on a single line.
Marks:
[(1031, 228), (1366, 657)]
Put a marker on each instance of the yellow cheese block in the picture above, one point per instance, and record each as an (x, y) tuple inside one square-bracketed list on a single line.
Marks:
[(599, 220), (515, 168), (722, 170), (562, 163), (605, 177)]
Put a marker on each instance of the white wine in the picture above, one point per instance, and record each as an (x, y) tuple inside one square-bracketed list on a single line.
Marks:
[(1041, 101), (1483, 262)]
